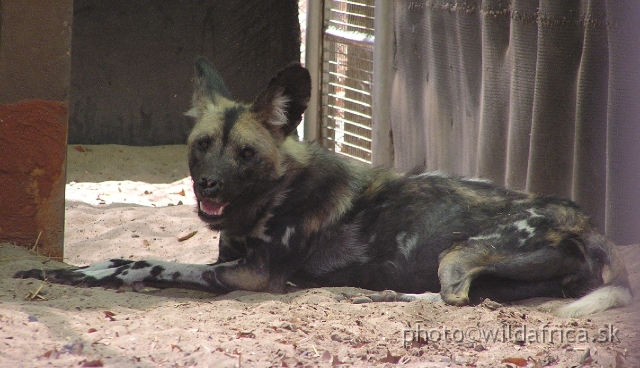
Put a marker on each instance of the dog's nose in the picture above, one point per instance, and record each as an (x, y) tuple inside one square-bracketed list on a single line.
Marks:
[(210, 187)]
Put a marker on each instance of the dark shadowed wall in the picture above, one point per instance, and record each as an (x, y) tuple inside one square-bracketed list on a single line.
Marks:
[(132, 61)]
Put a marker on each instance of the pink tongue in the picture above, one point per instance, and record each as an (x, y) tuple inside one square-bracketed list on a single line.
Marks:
[(211, 208)]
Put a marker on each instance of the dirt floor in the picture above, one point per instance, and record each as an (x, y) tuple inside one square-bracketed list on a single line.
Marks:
[(145, 210)]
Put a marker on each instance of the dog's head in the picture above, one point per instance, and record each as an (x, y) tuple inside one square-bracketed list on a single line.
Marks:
[(238, 152)]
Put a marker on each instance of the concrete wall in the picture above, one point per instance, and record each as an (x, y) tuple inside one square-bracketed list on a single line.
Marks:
[(132, 61)]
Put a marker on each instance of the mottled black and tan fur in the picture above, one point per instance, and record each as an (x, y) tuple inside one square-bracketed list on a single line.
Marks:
[(294, 212)]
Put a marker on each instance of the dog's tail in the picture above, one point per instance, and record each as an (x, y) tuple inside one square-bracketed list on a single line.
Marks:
[(616, 291)]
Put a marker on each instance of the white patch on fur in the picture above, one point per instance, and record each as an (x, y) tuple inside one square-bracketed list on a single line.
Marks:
[(491, 236), (400, 238), (430, 174), (188, 272), (259, 231), (194, 112), (478, 180), (446, 175), (287, 235), (523, 225), (534, 213), (279, 110), (394, 264), (597, 301), (406, 244), (98, 270)]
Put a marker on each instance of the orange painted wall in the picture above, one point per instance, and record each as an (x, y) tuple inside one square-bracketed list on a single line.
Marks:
[(32, 174)]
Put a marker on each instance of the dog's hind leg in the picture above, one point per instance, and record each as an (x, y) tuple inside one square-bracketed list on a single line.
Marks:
[(503, 273), (458, 267)]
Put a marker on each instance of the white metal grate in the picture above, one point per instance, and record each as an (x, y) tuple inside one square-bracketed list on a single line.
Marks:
[(347, 74)]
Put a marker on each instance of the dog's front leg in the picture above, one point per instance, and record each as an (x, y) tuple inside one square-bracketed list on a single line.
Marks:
[(214, 278)]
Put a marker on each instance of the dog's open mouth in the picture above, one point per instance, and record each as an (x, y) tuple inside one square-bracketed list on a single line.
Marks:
[(210, 209)]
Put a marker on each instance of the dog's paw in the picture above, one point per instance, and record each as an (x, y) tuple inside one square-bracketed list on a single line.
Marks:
[(427, 297), (30, 274), (392, 296), (103, 274)]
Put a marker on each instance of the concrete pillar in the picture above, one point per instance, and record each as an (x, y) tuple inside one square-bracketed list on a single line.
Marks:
[(35, 56)]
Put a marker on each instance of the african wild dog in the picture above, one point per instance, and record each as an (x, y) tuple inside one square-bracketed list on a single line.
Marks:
[(294, 212)]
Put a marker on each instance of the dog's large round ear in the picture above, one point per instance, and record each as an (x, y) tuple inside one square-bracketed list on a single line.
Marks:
[(209, 87), (284, 100)]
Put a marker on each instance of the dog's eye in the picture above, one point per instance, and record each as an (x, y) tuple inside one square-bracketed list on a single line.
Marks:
[(247, 152), (204, 143)]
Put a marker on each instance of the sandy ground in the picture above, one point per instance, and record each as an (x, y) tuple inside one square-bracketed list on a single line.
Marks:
[(136, 202)]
